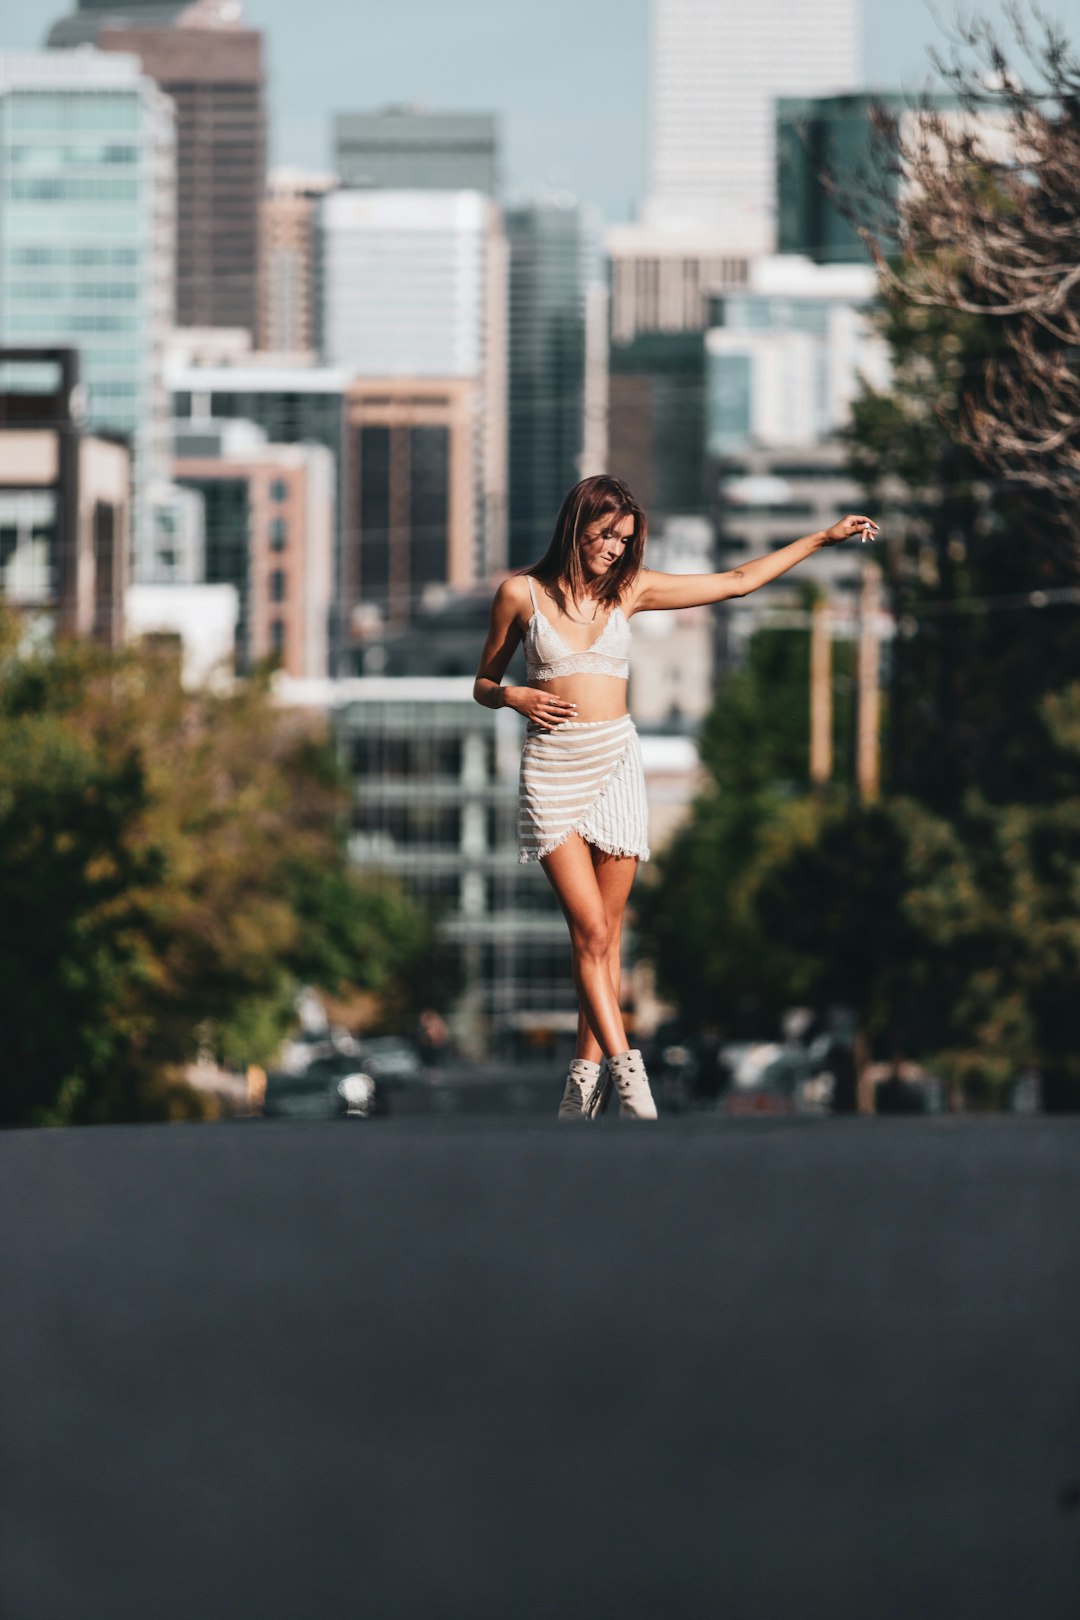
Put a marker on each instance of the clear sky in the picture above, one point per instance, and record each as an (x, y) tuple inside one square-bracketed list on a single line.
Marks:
[(567, 78)]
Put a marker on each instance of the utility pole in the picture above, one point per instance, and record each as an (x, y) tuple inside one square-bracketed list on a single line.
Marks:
[(821, 722), (868, 742)]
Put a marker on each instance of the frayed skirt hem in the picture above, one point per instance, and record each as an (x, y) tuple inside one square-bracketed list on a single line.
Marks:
[(524, 857)]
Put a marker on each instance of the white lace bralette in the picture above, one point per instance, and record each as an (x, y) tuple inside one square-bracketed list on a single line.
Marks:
[(547, 656)]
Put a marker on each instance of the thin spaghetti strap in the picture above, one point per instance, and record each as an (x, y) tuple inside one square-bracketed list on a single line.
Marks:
[(532, 594)]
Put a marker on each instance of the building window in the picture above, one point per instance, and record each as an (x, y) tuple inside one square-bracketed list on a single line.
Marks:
[(429, 505), (277, 637), (277, 585), (375, 514), (277, 534), (279, 489)]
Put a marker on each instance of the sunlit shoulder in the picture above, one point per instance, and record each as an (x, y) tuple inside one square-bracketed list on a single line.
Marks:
[(511, 596)]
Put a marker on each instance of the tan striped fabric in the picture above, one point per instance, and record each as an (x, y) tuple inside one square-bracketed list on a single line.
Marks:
[(583, 776)]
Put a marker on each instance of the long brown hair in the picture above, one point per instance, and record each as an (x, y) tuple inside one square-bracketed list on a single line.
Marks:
[(560, 567)]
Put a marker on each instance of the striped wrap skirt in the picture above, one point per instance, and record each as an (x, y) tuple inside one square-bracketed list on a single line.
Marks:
[(585, 777)]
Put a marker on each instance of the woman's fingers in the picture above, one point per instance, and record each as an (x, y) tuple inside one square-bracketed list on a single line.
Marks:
[(550, 708), (859, 523)]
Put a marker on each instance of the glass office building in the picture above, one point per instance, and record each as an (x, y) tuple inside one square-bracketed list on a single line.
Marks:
[(548, 267), (656, 422), (833, 138), (87, 239), (212, 70)]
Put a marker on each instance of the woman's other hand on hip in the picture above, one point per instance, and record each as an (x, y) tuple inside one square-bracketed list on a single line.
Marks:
[(542, 708)]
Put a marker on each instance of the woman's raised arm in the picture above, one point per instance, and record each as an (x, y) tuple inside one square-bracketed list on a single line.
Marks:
[(696, 590)]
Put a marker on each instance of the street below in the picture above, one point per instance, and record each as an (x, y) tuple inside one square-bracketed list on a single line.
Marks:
[(426, 1367)]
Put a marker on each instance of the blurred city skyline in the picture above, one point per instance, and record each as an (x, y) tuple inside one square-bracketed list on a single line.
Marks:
[(558, 131)]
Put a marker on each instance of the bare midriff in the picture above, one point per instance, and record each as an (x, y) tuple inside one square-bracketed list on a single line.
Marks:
[(598, 697)]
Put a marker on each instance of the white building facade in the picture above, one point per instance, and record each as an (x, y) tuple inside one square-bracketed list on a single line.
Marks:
[(782, 372), (717, 67), (785, 365), (201, 618), (662, 279)]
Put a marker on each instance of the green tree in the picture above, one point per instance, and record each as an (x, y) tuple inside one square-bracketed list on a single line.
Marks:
[(942, 915), (947, 916), (689, 912), (172, 864), (957, 939), (964, 555)]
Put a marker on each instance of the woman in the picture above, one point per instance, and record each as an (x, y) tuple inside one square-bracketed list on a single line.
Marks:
[(582, 811)]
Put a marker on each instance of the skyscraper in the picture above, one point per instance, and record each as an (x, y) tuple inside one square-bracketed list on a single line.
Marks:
[(212, 68), (656, 423), (717, 67), (413, 285), (835, 136), (86, 238), (410, 149), (409, 517), (547, 367)]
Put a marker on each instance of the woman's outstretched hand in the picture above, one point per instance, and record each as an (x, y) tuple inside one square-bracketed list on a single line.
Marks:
[(848, 527), (544, 708)]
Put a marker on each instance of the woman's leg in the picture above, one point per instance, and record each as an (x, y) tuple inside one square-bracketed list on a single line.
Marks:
[(590, 901), (615, 876)]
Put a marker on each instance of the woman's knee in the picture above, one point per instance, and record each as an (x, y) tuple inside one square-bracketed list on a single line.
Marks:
[(590, 937)]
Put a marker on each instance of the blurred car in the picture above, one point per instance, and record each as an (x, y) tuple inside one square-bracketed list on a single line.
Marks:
[(766, 1078), (389, 1057), (309, 1046), (330, 1087)]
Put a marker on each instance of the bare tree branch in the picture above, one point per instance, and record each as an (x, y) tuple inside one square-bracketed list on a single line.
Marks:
[(979, 214)]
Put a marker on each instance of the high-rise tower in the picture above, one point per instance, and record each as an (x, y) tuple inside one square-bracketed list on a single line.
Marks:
[(87, 213), (212, 68), (413, 287), (547, 326), (717, 67)]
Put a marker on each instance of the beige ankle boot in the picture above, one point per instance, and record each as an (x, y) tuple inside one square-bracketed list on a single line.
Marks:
[(582, 1083), (627, 1070), (601, 1096)]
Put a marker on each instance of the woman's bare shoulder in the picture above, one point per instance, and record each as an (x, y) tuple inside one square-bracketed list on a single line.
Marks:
[(512, 596)]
